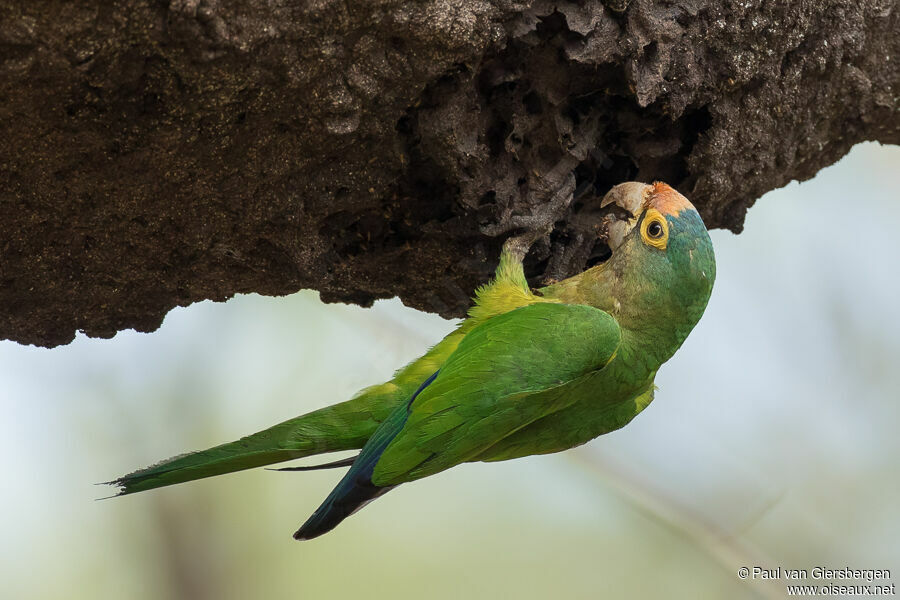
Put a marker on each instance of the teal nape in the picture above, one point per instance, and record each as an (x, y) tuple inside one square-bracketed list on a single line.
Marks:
[(528, 372)]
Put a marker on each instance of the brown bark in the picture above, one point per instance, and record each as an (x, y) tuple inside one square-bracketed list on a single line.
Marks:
[(153, 154)]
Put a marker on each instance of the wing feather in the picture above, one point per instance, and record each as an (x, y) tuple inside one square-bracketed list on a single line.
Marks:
[(506, 373)]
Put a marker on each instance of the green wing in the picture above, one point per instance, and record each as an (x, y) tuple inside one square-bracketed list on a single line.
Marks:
[(500, 378)]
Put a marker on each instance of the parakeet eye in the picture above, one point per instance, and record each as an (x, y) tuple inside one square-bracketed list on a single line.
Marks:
[(654, 229)]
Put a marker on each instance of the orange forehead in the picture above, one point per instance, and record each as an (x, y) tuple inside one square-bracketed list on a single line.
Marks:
[(667, 201)]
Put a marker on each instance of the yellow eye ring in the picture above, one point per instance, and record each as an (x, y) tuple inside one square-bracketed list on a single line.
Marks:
[(655, 229)]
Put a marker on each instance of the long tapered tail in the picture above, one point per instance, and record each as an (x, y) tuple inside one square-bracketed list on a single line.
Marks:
[(344, 426)]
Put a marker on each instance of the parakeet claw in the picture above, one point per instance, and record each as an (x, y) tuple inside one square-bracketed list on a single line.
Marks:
[(541, 223), (553, 195), (519, 245)]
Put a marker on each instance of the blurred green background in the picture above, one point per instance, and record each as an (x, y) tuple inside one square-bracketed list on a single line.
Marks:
[(772, 441)]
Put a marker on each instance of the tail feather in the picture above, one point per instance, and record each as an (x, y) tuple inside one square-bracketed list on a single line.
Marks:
[(335, 428), (334, 510), (184, 468), (344, 462), (344, 426), (356, 489)]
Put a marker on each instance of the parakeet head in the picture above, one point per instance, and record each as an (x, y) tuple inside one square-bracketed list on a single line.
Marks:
[(663, 251), (662, 267)]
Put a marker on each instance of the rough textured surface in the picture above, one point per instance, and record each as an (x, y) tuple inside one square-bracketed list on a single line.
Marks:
[(155, 153)]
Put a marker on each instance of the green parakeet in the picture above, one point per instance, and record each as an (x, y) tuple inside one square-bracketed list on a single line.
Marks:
[(529, 372)]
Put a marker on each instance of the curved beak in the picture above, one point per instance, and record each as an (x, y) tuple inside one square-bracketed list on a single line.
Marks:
[(631, 197)]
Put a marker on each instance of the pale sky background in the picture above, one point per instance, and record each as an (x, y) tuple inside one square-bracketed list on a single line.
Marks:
[(772, 441)]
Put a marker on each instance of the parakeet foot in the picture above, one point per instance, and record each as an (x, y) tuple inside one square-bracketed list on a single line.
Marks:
[(517, 247)]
